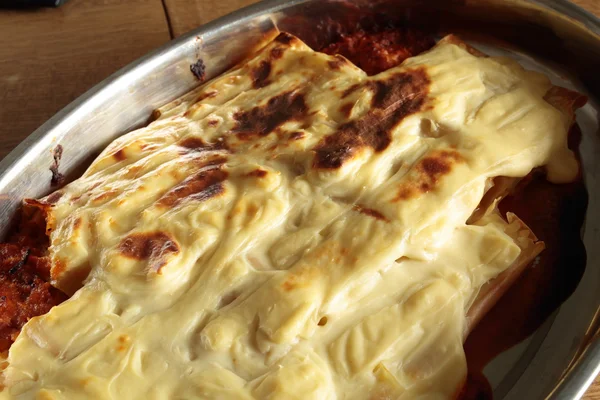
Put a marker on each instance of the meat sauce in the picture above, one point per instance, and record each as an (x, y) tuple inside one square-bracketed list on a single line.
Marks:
[(377, 51), (24, 275), (555, 213)]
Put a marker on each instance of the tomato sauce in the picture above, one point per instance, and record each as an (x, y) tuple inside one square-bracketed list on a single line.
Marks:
[(24, 275), (375, 51)]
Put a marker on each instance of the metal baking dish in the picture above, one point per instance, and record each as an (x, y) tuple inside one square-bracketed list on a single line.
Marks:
[(562, 358)]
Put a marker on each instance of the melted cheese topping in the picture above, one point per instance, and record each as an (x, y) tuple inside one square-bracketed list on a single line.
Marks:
[(291, 229)]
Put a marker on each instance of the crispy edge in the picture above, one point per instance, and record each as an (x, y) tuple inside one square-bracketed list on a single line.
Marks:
[(494, 289)]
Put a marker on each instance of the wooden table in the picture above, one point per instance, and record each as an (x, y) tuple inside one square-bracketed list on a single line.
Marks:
[(48, 57)]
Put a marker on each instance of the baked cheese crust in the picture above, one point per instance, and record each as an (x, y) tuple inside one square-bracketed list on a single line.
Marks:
[(293, 229)]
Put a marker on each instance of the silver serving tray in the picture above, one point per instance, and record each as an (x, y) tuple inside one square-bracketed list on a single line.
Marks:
[(562, 358)]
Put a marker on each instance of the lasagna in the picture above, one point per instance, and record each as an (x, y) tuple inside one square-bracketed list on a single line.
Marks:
[(295, 228)]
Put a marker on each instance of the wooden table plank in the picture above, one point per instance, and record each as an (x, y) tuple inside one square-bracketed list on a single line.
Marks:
[(593, 392), (48, 57), (185, 15)]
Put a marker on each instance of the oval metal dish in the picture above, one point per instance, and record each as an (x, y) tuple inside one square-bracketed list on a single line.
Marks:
[(562, 358)]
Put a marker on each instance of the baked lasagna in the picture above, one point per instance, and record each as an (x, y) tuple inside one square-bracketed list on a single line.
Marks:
[(296, 228)]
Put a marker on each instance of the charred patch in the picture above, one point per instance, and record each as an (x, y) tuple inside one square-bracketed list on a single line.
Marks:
[(109, 194), (257, 173), (201, 186), (405, 193), (346, 109), (439, 163), (284, 38), (213, 122), (119, 155), (57, 178), (54, 197), (297, 135), (154, 116), (351, 90), (337, 63), (277, 53), (335, 149), (206, 95), (152, 246), (370, 212), (260, 75), (400, 89), (393, 100), (193, 143), (199, 70), (434, 167), (262, 120), (427, 173), (77, 223), (196, 144), (24, 292)]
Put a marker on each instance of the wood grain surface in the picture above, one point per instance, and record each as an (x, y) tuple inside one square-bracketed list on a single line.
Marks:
[(48, 57)]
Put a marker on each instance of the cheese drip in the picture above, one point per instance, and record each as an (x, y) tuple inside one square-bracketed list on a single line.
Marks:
[(291, 229)]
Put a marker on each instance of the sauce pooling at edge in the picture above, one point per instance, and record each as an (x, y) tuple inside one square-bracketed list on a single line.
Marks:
[(555, 213), (375, 51)]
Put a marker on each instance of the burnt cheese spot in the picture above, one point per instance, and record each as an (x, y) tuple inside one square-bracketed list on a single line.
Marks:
[(199, 70), (206, 95), (337, 62), (54, 197), (434, 167), (351, 90), (428, 172), (119, 155), (193, 143), (284, 38), (370, 212), (346, 109), (262, 120), (213, 122), (77, 223), (196, 144), (257, 173), (154, 116), (297, 135), (201, 186), (260, 75), (277, 52), (152, 246), (335, 149), (393, 100), (104, 196), (405, 91)]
